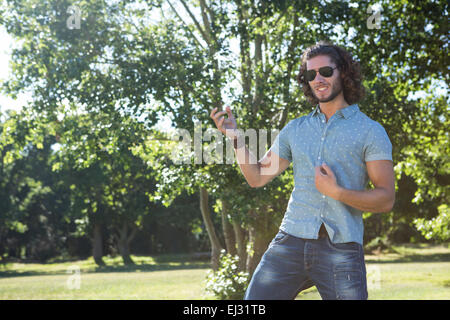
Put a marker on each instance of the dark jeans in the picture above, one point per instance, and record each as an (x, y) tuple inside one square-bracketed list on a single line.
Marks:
[(293, 264)]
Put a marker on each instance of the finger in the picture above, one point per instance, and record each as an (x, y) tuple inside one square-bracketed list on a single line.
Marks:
[(218, 114), (326, 169), (220, 123), (230, 115), (320, 171), (213, 111), (317, 170)]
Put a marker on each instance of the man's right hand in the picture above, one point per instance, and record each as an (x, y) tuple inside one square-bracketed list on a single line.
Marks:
[(227, 126), (257, 173)]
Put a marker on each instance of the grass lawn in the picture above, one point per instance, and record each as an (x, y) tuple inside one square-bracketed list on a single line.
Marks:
[(407, 272), (163, 277)]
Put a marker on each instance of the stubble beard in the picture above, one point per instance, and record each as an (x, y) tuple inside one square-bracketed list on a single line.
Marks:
[(336, 89)]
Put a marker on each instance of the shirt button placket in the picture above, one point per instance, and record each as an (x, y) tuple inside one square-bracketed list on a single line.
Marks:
[(322, 139)]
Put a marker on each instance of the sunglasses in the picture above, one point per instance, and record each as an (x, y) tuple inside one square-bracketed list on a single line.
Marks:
[(326, 72)]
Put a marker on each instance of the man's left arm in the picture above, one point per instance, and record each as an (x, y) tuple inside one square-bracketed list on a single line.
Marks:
[(379, 199)]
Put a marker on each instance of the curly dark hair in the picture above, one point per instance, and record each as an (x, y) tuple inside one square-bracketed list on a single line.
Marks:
[(352, 78)]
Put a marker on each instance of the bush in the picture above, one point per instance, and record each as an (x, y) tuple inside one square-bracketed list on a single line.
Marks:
[(227, 283), (379, 243), (437, 228)]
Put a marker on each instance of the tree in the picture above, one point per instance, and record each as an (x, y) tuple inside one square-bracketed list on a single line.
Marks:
[(202, 54), (32, 197), (109, 184)]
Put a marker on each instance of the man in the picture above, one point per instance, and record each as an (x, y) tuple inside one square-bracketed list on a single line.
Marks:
[(335, 150)]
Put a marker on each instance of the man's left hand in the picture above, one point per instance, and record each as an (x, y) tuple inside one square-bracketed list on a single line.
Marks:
[(326, 181)]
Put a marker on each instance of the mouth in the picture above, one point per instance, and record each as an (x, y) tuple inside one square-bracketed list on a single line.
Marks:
[(322, 88)]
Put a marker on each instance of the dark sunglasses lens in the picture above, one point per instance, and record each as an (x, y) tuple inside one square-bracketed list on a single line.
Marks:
[(310, 75), (326, 71)]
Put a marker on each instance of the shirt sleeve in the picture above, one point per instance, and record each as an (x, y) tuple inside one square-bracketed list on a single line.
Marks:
[(281, 145), (377, 146)]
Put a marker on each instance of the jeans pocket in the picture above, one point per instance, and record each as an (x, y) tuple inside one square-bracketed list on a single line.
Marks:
[(348, 247), (349, 281), (280, 238)]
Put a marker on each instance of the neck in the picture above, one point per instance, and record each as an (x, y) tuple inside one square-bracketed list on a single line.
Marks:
[(329, 108)]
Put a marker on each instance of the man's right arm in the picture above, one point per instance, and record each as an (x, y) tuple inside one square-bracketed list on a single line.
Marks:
[(259, 173)]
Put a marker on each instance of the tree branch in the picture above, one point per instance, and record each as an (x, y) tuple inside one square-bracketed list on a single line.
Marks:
[(190, 31), (197, 24), (244, 47), (290, 66), (206, 21)]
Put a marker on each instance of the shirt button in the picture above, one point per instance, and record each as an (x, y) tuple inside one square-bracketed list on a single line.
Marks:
[(323, 138), (318, 158), (323, 121), (323, 196)]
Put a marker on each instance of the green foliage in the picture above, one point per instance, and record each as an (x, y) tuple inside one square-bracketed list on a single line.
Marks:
[(426, 156), (99, 89), (437, 228), (227, 283), (378, 243)]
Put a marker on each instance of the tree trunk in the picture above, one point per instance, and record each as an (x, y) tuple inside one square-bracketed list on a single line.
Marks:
[(214, 240), (261, 231), (244, 46), (97, 247), (227, 228), (241, 244), (123, 243), (259, 72), (288, 100)]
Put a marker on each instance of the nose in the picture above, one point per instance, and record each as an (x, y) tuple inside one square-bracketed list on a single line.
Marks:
[(319, 78)]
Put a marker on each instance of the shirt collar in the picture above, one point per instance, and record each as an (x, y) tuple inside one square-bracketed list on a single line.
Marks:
[(349, 110), (345, 112), (316, 110)]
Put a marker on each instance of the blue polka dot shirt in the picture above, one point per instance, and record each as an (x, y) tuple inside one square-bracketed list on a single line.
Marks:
[(345, 143)]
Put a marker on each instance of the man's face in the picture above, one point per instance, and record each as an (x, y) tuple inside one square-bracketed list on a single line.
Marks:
[(323, 88)]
